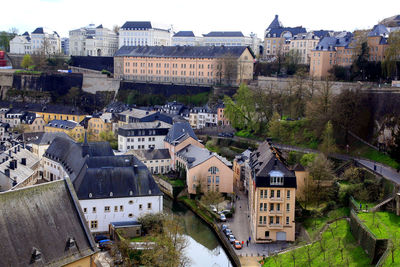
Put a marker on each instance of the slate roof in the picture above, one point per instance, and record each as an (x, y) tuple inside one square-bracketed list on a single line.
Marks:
[(115, 177), (146, 125), (278, 31), (181, 51), (136, 113), (224, 34), (47, 138), (150, 154), (329, 43), (38, 30), (378, 30), (62, 124), (69, 153), (137, 25), (266, 159), (194, 155), (28, 117), (100, 26), (59, 109), (43, 217), (275, 23), (321, 33), (25, 34), (184, 34), (179, 132)]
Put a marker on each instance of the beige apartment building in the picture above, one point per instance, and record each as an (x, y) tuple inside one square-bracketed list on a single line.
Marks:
[(189, 65), (272, 194), (205, 171), (304, 43)]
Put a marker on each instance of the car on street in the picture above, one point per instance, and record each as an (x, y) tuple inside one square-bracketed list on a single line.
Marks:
[(226, 212), (222, 218), (228, 232), (237, 244), (232, 238), (224, 227)]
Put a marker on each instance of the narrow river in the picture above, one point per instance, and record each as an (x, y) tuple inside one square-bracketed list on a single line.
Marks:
[(204, 249)]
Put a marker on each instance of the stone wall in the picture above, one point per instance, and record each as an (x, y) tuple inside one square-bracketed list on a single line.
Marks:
[(99, 82)]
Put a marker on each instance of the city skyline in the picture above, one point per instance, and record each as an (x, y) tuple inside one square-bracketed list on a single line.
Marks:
[(201, 19)]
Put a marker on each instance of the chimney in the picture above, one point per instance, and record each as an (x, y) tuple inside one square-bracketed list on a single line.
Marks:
[(9, 152), (276, 162), (15, 163), (18, 148), (15, 150), (7, 172), (12, 166), (23, 161)]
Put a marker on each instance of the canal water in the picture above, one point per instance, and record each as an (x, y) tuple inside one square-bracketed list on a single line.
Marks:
[(204, 249)]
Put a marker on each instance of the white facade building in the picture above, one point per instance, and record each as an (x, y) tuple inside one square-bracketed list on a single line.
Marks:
[(99, 213), (187, 38), (39, 42), (141, 33), (142, 135), (93, 41)]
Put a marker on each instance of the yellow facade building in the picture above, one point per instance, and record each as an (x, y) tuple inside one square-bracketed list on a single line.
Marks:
[(73, 129)]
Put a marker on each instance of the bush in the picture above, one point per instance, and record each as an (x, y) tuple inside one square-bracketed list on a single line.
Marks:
[(106, 72)]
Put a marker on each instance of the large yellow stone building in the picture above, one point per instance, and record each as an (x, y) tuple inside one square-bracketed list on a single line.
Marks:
[(191, 65), (272, 194), (59, 112), (73, 129)]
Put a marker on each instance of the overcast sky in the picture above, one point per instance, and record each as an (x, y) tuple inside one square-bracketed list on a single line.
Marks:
[(201, 16)]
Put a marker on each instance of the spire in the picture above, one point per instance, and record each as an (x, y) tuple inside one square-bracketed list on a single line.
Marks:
[(85, 146), (275, 23)]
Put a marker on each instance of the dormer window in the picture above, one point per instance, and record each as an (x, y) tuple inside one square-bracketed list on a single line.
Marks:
[(276, 180), (70, 242), (36, 255)]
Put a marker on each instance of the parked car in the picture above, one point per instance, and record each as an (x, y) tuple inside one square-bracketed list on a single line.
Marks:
[(230, 135), (232, 238), (222, 218), (228, 232), (237, 244), (224, 227), (226, 211), (98, 238), (105, 244)]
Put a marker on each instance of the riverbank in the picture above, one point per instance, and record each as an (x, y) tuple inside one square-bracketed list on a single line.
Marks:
[(191, 204)]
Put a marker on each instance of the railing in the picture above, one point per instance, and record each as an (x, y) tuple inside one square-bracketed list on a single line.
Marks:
[(275, 226)]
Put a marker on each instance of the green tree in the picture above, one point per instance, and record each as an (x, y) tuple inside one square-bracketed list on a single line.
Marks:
[(321, 169), (109, 136), (328, 144), (73, 96), (292, 61), (241, 109), (390, 63), (212, 198), (275, 128), (168, 247), (394, 150), (27, 61)]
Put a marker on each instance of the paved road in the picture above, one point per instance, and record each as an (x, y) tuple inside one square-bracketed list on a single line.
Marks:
[(240, 226)]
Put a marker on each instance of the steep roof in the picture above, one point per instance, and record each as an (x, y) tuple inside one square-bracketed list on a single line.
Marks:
[(137, 25), (266, 159), (179, 132), (146, 125), (115, 177), (330, 43), (43, 217), (46, 138), (275, 23), (38, 30), (184, 34), (224, 34), (181, 51), (321, 33), (378, 30)]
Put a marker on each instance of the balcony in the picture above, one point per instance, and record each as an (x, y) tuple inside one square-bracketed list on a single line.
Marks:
[(275, 211)]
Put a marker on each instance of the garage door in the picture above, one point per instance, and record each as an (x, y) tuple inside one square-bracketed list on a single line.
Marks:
[(281, 236)]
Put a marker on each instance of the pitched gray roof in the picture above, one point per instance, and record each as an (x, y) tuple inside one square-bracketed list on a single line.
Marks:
[(277, 32), (266, 159), (46, 138), (43, 217), (137, 25), (184, 34), (180, 131), (62, 124), (38, 30), (330, 43), (115, 177), (275, 23), (181, 51), (194, 155), (378, 30), (224, 34)]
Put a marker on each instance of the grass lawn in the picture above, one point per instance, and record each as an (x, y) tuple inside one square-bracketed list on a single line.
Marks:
[(192, 203), (364, 151), (384, 225), (314, 225), (330, 255), (177, 183)]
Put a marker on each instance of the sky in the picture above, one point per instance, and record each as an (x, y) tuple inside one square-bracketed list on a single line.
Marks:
[(199, 16)]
